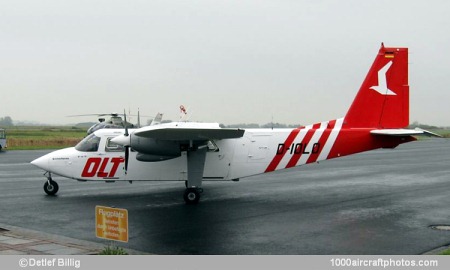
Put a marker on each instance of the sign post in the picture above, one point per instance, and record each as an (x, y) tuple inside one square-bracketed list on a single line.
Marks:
[(111, 223)]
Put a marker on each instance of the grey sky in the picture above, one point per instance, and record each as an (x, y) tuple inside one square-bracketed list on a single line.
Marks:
[(228, 61)]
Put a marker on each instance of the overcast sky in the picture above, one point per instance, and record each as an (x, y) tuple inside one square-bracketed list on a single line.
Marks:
[(298, 62)]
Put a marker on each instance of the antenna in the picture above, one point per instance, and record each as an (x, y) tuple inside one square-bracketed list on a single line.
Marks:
[(271, 123), (183, 113)]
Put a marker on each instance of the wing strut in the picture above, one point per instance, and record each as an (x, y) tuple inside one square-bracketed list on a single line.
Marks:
[(195, 166)]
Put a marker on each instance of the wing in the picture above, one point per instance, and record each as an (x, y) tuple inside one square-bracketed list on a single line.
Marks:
[(163, 142), (183, 133)]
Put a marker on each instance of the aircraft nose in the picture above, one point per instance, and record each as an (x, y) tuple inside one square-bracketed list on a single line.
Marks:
[(41, 162), (122, 140)]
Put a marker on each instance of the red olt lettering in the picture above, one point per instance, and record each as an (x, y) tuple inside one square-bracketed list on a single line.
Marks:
[(96, 166)]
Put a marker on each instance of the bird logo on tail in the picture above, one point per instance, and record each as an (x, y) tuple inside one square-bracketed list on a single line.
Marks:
[(382, 83)]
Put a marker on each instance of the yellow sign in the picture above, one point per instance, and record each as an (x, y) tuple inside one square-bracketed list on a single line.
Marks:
[(111, 223)]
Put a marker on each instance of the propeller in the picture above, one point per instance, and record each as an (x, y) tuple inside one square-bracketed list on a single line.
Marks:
[(139, 120), (127, 146)]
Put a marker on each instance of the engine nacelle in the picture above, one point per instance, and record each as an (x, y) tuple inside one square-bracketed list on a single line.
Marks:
[(149, 146), (152, 158)]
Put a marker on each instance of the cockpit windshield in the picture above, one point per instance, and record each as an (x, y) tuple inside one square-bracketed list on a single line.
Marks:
[(88, 144)]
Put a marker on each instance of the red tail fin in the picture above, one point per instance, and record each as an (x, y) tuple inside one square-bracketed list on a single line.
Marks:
[(383, 99)]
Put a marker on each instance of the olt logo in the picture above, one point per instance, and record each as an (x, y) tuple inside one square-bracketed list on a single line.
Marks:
[(96, 166)]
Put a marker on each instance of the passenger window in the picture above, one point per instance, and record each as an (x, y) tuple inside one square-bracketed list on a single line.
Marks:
[(113, 147)]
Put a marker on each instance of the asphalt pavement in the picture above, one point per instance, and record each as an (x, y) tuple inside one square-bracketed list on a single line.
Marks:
[(379, 202)]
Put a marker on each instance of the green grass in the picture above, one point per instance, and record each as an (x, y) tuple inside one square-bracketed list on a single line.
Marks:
[(443, 132), (113, 250), (445, 252), (32, 138)]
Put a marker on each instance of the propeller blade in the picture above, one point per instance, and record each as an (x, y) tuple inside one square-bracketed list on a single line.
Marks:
[(139, 120), (127, 147), (125, 123), (127, 155)]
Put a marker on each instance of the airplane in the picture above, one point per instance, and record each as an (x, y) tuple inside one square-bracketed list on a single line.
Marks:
[(195, 152)]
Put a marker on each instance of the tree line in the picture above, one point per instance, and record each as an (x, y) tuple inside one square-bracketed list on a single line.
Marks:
[(6, 121)]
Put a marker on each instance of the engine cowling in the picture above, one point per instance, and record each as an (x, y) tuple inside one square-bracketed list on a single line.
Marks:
[(152, 158), (153, 150), (149, 146)]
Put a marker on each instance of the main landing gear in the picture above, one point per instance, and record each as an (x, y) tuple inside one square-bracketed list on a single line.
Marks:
[(50, 187), (192, 195), (195, 158)]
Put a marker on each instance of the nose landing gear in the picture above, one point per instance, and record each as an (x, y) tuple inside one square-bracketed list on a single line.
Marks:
[(50, 187)]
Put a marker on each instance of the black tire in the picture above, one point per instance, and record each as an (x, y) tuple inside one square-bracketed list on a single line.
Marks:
[(51, 188), (191, 196)]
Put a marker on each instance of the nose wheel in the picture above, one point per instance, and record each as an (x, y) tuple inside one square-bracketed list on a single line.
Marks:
[(50, 187)]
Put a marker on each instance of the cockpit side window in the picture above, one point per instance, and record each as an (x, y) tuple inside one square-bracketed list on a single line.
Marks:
[(88, 144), (113, 147)]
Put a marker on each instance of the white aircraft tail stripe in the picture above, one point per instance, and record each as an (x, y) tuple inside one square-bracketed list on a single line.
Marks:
[(331, 140), (316, 137)]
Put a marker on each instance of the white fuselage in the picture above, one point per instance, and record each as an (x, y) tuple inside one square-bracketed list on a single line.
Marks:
[(230, 159)]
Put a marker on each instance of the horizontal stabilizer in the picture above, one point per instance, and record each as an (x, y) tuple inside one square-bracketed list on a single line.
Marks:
[(181, 134), (405, 132)]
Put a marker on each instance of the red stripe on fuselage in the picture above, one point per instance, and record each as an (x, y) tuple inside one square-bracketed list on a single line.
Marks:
[(278, 157), (322, 141), (294, 159)]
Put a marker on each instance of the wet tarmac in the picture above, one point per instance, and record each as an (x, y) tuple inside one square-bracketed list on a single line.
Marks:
[(379, 202)]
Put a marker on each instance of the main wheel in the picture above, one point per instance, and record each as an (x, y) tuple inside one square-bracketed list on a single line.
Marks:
[(51, 187), (191, 196)]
